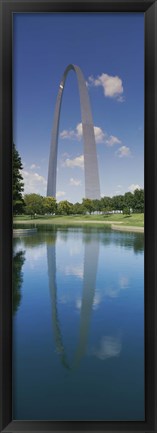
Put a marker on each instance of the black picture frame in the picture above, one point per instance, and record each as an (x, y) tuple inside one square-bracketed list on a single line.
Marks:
[(149, 8)]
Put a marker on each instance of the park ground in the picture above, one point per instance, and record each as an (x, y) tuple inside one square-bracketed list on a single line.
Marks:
[(134, 222)]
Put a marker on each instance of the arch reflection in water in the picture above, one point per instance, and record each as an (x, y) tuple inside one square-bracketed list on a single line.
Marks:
[(91, 255), (99, 339)]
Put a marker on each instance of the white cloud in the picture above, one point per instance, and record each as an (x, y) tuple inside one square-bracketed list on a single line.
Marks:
[(117, 191), (60, 194), (77, 271), (98, 132), (120, 99), (74, 249), (75, 182), (123, 151), (112, 85), (79, 304), (34, 183), (109, 347), (67, 134), (112, 140), (65, 155), (100, 136), (75, 162), (34, 166), (33, 259), (77, 133), (112, 292), (133, 186), (124, 282), (97, 301)]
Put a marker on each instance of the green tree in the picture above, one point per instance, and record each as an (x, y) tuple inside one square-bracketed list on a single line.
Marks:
[(129, 199), (78, 209), (88, 205), (118, 202), (18, 185), (126, 211), (138, 202), (49, 205), (34, 204), (64, 207), (97, 205), (106, 204)]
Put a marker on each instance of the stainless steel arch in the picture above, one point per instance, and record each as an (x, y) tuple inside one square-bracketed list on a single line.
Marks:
[(92, 185)]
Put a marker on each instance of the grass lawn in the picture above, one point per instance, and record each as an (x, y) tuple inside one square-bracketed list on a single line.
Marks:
[(127, 220)]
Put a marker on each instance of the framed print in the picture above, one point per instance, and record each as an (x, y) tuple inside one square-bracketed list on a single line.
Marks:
[(78, 216)]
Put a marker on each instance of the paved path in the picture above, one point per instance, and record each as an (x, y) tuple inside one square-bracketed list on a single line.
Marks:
[(128, 228)]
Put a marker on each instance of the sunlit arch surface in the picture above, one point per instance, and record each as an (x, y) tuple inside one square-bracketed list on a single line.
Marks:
[(92, 185)]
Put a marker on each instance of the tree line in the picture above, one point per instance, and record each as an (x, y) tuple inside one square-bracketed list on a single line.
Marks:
[(127, 203), (32, 204)]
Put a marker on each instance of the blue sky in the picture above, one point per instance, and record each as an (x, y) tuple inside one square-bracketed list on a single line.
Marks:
[(109, 49)]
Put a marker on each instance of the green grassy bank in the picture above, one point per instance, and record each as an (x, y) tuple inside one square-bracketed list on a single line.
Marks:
[(134, 220)]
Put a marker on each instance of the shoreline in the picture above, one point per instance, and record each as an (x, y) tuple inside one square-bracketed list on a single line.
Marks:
[(127, 228), (118, 226)]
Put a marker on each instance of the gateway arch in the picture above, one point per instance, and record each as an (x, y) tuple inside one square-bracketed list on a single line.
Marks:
[(92, 185)]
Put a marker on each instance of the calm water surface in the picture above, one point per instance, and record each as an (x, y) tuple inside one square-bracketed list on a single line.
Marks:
[(78, 325)]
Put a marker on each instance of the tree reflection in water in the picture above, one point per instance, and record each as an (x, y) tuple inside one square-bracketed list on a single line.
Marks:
[(18, 261)]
